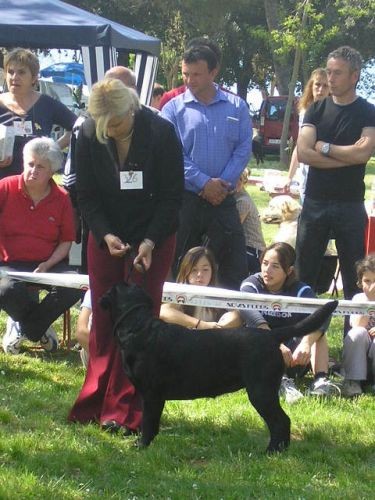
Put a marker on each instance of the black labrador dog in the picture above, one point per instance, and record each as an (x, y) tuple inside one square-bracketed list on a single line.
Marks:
[(257, 149), (166, 361)]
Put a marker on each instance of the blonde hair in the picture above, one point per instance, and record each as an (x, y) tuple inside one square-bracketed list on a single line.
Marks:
[(307, 97), (109, 98), (22, 57)]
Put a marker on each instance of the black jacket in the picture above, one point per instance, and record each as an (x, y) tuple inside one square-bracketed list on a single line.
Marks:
[(151, 212)]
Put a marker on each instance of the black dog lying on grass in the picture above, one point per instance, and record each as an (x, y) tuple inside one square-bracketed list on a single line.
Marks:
[(166, 362)]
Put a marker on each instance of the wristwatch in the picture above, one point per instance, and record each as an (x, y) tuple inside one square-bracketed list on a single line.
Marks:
[(325, 149)]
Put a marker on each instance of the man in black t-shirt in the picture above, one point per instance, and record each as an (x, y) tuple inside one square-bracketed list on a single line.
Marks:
[(337, 139)]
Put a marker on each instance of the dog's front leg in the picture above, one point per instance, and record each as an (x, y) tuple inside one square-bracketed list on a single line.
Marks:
[(152, 410)]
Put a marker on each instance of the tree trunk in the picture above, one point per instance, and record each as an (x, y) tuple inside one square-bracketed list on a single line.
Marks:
[(285, 148), (281, 65), (242, 86)]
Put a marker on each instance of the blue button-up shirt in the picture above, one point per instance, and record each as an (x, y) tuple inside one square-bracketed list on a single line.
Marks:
[(216, 137)]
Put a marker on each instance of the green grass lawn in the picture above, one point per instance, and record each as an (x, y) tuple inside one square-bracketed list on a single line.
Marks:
[(207, 449)]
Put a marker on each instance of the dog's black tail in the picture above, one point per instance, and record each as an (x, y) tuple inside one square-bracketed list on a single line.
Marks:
[(307, 325)]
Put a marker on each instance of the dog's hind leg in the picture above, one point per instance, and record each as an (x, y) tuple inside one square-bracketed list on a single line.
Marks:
[(152, 410), (266, 401)]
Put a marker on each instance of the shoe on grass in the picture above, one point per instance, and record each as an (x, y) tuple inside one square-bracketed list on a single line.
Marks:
[(13, 337), (49, 340), (289, 390), (351, 388), (324, 387)]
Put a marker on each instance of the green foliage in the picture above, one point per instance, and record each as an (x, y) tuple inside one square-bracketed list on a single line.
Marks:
[(254, 47), (173, 47)]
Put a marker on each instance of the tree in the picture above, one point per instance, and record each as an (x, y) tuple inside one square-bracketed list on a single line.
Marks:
[(275, 16), (244, 40), (173, 47), (258, 38), (284, 153)]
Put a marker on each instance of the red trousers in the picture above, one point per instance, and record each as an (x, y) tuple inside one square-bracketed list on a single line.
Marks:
[(107, 393)]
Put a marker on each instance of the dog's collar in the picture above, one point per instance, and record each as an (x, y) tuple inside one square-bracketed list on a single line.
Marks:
[(123, 315)]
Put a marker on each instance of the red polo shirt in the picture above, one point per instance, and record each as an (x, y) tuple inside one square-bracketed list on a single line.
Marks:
[(31, 232)]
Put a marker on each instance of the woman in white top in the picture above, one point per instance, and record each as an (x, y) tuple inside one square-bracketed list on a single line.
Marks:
[(198, 267)]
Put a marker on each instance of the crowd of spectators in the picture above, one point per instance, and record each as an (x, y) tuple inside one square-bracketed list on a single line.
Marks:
[(161, 190)]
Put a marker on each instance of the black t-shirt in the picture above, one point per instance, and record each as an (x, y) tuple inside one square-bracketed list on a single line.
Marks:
[(340, 125)]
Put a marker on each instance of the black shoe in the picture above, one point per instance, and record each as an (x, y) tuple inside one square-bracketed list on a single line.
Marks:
[(110, 426)]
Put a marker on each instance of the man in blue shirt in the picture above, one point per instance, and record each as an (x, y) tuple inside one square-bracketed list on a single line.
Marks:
[(215, 130)]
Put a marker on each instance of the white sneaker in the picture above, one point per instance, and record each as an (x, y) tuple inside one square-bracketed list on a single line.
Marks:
[(289, 390), (351, 388), (49, 340), (324, 387), (13, 337)]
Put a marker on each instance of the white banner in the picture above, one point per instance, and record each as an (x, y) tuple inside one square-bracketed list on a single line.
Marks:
[(229, 299), (70, 280), (207, 296)]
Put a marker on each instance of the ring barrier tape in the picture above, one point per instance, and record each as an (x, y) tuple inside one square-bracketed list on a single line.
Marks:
[(229, 299), (208, 296), (70, 280)]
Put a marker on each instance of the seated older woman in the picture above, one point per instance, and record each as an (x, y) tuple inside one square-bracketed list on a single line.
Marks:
[(36, 232)]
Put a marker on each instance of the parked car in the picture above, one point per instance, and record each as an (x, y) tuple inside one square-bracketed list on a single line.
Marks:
[(269, 122)]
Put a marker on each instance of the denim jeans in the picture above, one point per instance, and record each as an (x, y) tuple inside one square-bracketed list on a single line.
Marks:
[(221, 227), (321, 220)]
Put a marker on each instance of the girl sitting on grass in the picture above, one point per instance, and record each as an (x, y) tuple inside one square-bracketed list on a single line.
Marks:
[(278, 277), (359, 342), (198, 267)]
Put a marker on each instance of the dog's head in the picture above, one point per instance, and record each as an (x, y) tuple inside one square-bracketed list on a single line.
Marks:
[(281, 209), (123, 298)]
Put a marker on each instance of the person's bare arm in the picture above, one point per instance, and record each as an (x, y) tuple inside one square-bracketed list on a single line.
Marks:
[(354, 154), (64, 140), (302, 353), (306, 150), (82, 328), (292, 168), (170, 314), (60, 253), (230, 319)]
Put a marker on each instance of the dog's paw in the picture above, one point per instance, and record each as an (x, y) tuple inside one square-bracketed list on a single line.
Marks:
[(277, 447), (141, 445)]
